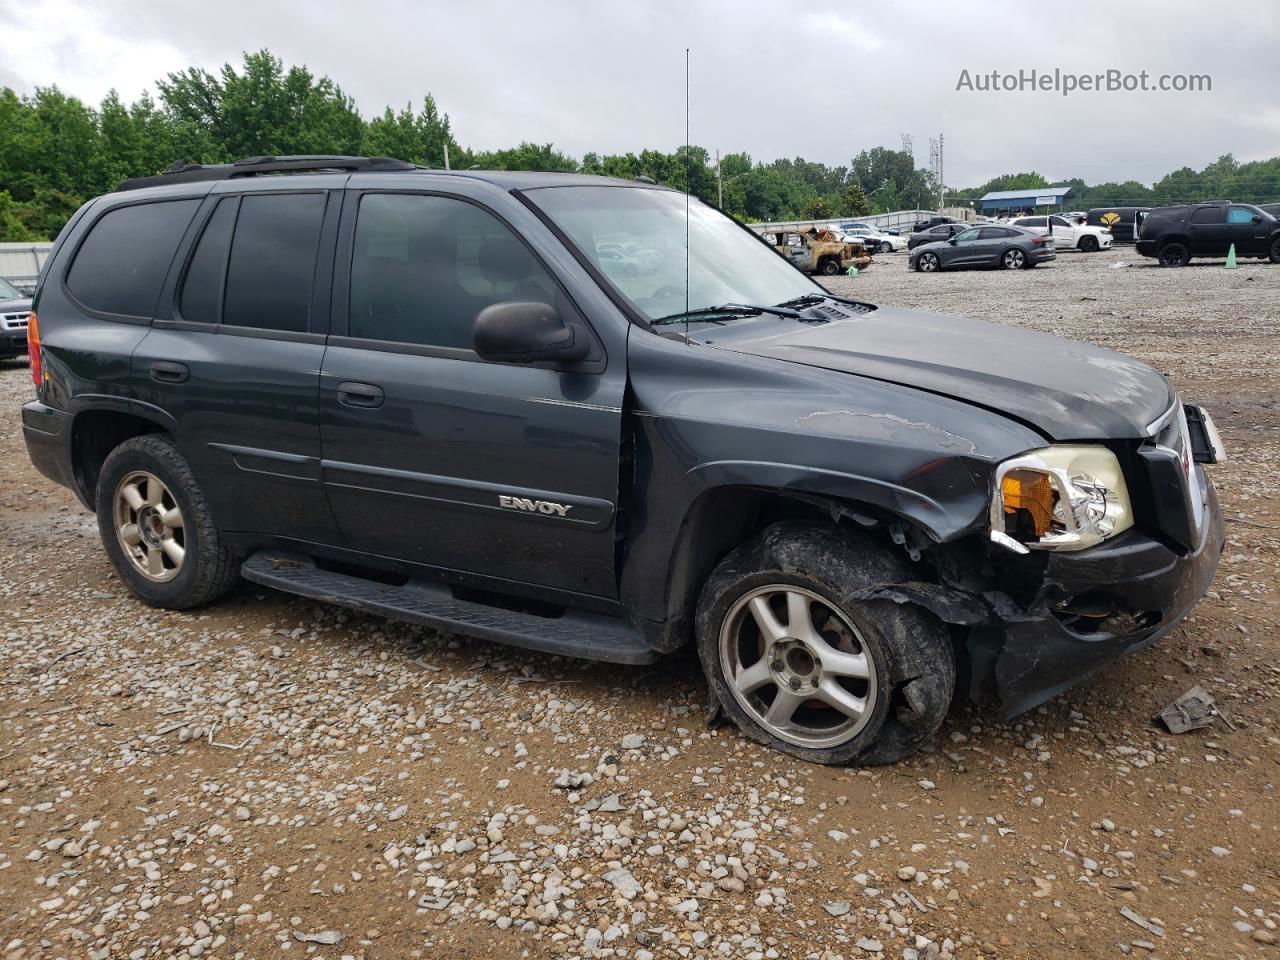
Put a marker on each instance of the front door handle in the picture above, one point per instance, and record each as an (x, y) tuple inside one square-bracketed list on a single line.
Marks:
[(354, 394), (167, 371)]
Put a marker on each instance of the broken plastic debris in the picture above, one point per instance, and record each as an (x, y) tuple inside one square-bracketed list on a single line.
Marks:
[(1191, 711), (324, 936)]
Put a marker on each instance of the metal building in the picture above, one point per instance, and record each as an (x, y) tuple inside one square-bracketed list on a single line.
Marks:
[(1003, 200), (20, 263)]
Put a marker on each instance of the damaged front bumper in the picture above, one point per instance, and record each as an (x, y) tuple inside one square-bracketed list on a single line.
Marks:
[(1092, 607)]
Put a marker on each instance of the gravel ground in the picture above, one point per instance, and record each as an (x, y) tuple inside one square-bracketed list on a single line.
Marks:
[(271, 775)]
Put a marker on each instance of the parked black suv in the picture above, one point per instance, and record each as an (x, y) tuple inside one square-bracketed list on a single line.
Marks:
[(432, 396), (1173, 235)]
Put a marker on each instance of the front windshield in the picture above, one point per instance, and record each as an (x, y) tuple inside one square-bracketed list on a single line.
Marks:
[(8, 291), (636, 236)]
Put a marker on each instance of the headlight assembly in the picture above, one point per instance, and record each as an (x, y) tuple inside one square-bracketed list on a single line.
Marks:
[(1064, 497)]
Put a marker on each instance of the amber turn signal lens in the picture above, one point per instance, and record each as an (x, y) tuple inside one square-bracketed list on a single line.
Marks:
[(33, 349), (1031, 491)]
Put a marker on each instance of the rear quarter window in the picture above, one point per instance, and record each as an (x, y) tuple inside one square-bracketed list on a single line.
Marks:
[(121, 265)]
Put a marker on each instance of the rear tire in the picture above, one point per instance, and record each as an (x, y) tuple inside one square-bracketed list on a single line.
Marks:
[(156, 527), (1174, 254), (844, 679), (886, 246), (1013, 259)]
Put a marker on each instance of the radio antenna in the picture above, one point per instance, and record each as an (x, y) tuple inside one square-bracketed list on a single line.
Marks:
[(688, 168)]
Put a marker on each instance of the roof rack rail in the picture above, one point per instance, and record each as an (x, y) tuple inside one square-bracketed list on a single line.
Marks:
[(181, 172)]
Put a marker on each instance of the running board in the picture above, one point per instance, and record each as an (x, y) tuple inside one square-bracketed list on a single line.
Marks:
[(576, 634)]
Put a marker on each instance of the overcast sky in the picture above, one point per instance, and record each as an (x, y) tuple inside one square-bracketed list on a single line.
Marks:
[(817, 79)]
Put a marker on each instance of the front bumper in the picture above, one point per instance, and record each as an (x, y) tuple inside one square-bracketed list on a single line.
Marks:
[(1093, 607), (13, 343)]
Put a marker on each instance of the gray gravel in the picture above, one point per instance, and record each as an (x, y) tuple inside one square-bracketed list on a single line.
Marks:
[(273, 776)]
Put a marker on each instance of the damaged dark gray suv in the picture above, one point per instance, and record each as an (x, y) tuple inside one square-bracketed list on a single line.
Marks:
[(517, 406)]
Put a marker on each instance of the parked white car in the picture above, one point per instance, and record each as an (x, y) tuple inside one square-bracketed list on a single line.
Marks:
[(1067, 234), (875, 241)]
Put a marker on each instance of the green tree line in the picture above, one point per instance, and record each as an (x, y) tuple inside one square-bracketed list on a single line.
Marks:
[(57, 151)]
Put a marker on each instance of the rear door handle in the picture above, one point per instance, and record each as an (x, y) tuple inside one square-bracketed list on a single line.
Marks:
[(354, 394), (167, 371)]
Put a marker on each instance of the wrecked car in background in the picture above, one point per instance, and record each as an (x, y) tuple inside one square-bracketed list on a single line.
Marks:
[(836, 503), (817, 250)]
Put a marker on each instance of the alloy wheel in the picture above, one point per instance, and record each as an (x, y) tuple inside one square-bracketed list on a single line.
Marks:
[(149, 526), (798, 666), (1014, 259), (928, 262)]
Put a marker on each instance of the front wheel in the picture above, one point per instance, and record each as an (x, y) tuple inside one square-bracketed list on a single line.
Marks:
[(157, 528), (1013, 259), (928, 263), (804, 664), (829, 268), (1089, 244), (1274, 255)]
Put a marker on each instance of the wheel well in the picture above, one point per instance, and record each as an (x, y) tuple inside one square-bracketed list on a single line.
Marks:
[(1175, 238), (725, 517), (94, 434)]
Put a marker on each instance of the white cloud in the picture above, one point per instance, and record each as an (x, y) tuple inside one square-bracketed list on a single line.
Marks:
[(770, 78)]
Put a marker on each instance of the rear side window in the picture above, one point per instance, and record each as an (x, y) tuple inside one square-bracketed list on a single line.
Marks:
[(996, 233), (1207, 215), (273, 261), (201, 300), (424, 266), (121, 265)]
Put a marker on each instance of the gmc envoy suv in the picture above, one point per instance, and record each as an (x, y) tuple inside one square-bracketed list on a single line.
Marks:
[(442, 397)]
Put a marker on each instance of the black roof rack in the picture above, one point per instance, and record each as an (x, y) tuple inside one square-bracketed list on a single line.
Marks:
[(181, 172)]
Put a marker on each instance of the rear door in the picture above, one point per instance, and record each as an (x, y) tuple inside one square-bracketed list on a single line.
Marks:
[(234, 356), (1208, 229), (432, 455)]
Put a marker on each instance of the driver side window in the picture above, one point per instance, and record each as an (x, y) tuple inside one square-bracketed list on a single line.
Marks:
[(423, 267)]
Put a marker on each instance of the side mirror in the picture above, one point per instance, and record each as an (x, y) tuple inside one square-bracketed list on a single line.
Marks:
[(952, 240), (1256, 218), (520, 332)]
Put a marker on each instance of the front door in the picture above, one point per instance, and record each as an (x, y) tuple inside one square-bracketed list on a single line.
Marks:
[(1247, 230), (434, 456)]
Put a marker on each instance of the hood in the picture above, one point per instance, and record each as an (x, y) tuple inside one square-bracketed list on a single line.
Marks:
[(21, 305), (1065, 389)]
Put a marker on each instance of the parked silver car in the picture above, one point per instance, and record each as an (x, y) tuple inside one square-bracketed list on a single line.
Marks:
[(14, 311), (992, 245)]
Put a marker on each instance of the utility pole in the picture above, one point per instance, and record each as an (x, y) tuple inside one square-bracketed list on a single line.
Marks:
[(446, 154), (719, 183), (935, 167)]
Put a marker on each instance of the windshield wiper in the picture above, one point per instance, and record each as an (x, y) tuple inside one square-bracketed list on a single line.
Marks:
[(730, 309), (807, 299)]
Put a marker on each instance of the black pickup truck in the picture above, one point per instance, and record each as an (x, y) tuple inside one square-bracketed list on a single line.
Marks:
[(590, 417)]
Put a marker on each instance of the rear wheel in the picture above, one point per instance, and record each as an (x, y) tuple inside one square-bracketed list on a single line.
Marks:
[(157, 529), (1174, 254), (1089, 244), (927, 262), (1013, 259), (886, 246), (804, 664)]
